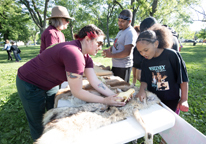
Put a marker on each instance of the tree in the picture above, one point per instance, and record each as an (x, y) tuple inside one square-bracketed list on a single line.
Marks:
[(73, 8), (110, 11), (199, 11), (202, 34), (33, 30), (12, 20), (24, 35), (37, 10)]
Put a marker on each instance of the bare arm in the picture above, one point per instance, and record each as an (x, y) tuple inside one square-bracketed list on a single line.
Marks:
[(97, 84), (142, 91), (126, 52), (183, 104), (75, 83)]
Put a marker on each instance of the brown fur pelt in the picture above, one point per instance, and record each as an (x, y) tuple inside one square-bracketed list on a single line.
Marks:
[(67, 124)]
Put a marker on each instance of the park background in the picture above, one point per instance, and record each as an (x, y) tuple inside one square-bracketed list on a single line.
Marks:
[(24, 21)]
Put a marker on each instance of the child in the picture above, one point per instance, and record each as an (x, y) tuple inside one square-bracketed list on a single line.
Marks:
[(7, 47), (15, 50), (159, 59)]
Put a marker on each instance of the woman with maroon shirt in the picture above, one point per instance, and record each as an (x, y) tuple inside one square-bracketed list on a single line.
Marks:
[(57, 22), (38, 80)]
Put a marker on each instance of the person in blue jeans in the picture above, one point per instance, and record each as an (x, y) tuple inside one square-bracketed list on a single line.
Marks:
[(14, 48), (18, 54)]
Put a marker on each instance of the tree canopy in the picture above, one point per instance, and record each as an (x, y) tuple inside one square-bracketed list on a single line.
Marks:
[(16, 15)]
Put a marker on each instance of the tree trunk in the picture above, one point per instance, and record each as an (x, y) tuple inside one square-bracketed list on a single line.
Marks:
[(154, 7), (108, 45), (134, 12), (134, 17), (35, 13)]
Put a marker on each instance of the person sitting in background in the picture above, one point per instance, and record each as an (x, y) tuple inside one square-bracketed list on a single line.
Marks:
[(57, 22), (14, 48), (38, 80), (7, 47)]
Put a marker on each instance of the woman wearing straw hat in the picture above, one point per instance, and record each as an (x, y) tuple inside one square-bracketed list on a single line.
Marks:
[(58, 21)]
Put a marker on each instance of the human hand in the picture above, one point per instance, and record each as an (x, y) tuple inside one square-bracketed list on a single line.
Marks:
[(106, 53), (183, 105), (141, 95), (112, 100)]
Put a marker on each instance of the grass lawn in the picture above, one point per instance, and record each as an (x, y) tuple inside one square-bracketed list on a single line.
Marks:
[(13, 124)]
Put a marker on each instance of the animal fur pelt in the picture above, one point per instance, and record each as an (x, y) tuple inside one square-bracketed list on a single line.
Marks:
[(67, 124)]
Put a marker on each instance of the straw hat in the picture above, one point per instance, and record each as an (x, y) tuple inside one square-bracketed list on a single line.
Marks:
[(60, 11)]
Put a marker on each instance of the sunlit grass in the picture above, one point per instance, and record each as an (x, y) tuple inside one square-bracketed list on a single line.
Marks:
[(13, 124)]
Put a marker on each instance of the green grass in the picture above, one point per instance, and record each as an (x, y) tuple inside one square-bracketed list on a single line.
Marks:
[(13, 124)]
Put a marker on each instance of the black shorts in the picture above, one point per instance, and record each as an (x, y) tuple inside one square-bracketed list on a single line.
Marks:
[(172, 104), (137, 59), (124, 73)]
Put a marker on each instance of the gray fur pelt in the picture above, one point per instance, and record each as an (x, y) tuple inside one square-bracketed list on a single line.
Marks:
[(67, 124)]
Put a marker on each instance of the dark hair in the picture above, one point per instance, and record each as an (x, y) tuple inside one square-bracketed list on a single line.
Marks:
[(90, 30), (127, 14), (174, 33), (137, 28), (147, 23), (148, 36), (157, 32), (163, 34)]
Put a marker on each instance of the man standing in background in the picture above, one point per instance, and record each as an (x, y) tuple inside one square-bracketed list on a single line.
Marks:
[(122, 50)]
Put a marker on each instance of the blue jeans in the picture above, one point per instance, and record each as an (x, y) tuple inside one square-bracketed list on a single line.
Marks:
[(35, 101), (18, 56)]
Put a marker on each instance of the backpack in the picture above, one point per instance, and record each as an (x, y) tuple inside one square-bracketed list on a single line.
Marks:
[(18, 51)]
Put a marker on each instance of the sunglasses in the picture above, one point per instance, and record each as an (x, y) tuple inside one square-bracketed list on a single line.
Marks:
[(67, 20), (100, 43)]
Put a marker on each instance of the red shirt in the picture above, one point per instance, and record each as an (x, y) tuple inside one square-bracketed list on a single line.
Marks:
[(48, 69), (51, 36)]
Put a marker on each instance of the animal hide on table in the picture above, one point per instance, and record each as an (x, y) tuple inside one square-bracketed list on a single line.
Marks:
[(67, 124)]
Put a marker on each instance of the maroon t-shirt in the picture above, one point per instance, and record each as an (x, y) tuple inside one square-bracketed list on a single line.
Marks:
[(51, 36), (48, 69)]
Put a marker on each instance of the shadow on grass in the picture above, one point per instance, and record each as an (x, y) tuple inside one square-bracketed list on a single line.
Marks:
[(13, 123), (194, 54)]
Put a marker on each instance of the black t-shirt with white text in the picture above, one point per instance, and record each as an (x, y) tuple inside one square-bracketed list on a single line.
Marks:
[(164, 74)]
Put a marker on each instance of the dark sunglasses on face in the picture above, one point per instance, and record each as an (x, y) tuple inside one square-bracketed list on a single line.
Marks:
[(100, 43), (67, 20)]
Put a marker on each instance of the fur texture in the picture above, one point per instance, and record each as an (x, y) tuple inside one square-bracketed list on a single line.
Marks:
[(68, 124)]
